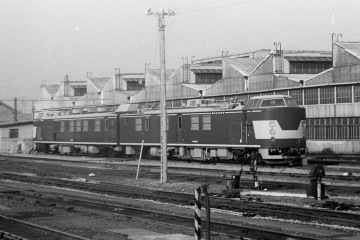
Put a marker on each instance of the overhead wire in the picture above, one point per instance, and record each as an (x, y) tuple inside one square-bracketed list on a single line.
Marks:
[(217, 6)]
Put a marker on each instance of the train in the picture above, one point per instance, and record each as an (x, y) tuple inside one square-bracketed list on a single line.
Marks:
[(269, 128)]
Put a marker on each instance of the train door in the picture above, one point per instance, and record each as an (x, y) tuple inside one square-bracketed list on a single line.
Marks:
[(179, 128), (235, 132), (106, 130)]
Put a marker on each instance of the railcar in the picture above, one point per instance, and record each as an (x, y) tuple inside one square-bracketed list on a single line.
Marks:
[(271, 128), (76, 132)]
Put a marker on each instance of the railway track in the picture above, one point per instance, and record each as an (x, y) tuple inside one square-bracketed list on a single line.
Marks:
[(243, 206), (17, 229), (275, 171), (218, 229), (335, 185)]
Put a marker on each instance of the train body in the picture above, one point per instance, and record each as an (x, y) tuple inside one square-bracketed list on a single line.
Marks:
[(271, 128)]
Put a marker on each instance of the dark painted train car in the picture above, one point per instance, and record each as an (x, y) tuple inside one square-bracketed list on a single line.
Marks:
[(267, 127), (87, 133)]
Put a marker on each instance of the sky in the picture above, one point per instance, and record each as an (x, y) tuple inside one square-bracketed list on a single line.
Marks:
[(44, 40)]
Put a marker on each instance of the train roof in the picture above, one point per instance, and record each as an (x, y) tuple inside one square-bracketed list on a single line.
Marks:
[(271, 97), (58, 115)]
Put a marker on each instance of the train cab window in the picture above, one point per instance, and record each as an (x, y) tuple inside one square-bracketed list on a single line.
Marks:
[(85, 125), (78, 125), (147, 124), (62, 126), (71, 126), (138, 124), (106, 124), (291, 102), (97, 125), (206, 122), (194, 122), (179, 122), (273, 103), (252, 103)]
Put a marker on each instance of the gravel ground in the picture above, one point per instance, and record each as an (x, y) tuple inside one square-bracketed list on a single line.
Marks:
[(99, 227)]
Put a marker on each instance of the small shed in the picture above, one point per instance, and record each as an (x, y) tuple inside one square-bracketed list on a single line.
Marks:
[(16, 137)]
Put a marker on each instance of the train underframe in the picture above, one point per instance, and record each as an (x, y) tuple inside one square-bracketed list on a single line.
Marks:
[(278, 156)]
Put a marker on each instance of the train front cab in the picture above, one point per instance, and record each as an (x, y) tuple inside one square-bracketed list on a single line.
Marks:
[(279, 126)]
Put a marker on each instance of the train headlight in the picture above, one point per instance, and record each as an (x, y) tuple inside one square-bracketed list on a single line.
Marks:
[(272, 138), (272, 124), (272, 131)]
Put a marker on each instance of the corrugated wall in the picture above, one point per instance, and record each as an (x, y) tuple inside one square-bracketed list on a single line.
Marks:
[(323, 78), (333, 110), (347, 74), (284, 82), (266, 67), (261, 82), (343, 58), (232, 82)]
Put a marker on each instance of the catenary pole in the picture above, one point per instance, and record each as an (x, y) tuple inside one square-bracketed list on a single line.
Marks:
[(163, 131)]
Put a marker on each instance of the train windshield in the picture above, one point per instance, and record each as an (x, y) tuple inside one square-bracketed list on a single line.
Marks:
[(273, 102)]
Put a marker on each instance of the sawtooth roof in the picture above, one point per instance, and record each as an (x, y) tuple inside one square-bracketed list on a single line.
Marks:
[(244, 65), (99, 82), (351, 47), (52, 89), (156, 73)]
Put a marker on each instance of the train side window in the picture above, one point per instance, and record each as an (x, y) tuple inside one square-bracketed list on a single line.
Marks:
[(147, 124), (85, 125), (194, 122), (106, 124), (62, 126), (78, 125), (71, 126), (97, 125), (179, 123), (138, 124), (206, 122)]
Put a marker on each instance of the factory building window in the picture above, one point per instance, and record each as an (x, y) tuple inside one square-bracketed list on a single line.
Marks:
[(78, 125), (311, 96), (206, 122), (356, 93), (343, 94), (333, 128), (327, 95), (138, 124), (72, 126), (97, 125), (297, 96), (85, 125), (282, 92), (309, 67), (14, 133), (62, 126), (135, 85), (194, 122), (207, 78), (78, 92)]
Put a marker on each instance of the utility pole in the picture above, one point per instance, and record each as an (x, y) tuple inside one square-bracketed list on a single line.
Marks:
[(163, 131)]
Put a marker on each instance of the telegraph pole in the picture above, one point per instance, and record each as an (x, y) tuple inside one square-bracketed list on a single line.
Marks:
[(163, 131)]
